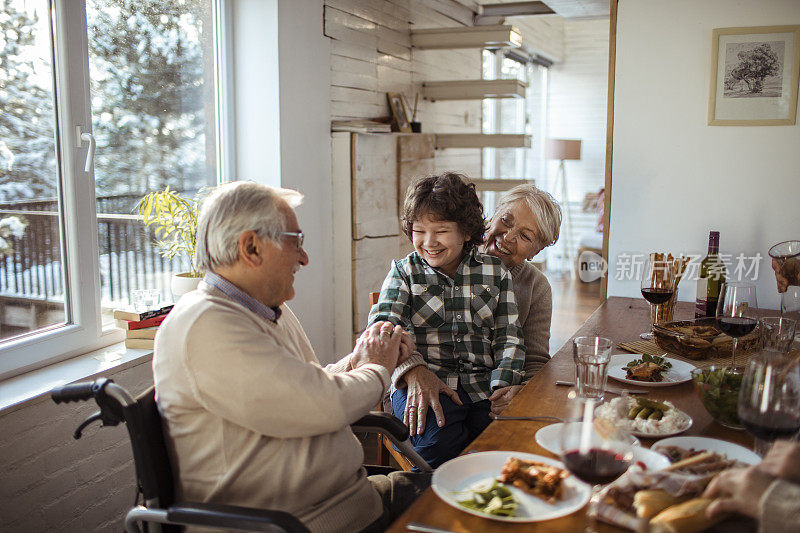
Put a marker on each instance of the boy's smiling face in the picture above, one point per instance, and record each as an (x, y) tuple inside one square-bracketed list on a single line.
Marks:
[(440, 243)]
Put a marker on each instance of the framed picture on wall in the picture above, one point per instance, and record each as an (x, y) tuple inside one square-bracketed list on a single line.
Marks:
[(399, 112), (754, 76)]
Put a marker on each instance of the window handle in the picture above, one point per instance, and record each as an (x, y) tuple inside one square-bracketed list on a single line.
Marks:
[(82, 138)]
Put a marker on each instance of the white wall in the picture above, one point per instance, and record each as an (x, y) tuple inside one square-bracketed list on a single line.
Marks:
[(282, 107), (578, 102), (254, 37), (674, 177), (305, 79)]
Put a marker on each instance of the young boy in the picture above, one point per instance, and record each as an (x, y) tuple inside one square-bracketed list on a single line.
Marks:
[(459, 306)]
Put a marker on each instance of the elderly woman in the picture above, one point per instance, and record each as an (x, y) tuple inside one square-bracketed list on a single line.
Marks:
[(526, 221)]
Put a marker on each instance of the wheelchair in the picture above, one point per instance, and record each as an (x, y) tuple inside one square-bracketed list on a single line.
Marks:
[(155, 481)]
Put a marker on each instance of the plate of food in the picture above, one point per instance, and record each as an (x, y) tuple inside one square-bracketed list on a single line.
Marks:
[(679, 448), (671, 499), (644, 417), (509, 486), (649, 370)]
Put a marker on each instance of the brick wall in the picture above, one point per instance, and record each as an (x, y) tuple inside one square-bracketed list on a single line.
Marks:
[(52, 482)]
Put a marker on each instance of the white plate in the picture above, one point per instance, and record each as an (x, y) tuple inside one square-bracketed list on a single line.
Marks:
[(650, 433), (731, 450), (679, 373), (465, 471), (549, 438)]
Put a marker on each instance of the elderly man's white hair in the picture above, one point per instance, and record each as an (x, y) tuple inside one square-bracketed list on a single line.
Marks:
[(232, 209)]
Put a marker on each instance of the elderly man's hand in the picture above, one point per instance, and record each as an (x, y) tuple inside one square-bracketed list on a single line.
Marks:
[(737, 490), (423, 391), (783, 461), (501, 397), (380, 345)]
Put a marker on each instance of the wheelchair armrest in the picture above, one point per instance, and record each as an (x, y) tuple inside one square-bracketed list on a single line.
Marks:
[(233, 517), (382, 422)]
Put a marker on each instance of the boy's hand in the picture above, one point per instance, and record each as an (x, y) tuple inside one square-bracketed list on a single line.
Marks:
[(424, 388), (407, 347)]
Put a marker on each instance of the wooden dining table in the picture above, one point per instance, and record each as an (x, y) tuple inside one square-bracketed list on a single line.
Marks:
[(619, 319)]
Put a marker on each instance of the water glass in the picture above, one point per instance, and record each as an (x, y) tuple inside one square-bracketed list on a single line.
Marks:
[(145, 299), (591, 355), (777, 333)]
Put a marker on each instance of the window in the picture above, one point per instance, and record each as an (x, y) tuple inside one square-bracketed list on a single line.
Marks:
[(70, 247), (514, 115)]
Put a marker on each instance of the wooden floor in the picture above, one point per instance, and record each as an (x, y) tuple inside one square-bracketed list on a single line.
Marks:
[(573, 302)]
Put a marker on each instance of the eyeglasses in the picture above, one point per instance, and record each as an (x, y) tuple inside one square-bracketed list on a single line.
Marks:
[(300, 237)]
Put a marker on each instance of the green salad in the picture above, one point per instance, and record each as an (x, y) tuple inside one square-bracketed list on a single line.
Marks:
[(719, 392), (495, 499)]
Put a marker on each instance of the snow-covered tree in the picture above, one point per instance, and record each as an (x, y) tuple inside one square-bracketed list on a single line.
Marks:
[(27, 139), (147, 82)]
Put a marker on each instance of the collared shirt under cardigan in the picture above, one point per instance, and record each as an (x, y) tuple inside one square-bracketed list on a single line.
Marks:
[(466, 328)]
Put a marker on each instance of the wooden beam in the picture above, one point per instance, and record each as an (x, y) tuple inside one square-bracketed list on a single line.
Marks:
[(473, 89), (480, 140), (514, 9), (612, 57), (466, 37)]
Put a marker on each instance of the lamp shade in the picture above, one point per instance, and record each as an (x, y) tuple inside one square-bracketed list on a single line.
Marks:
[(563, 149)]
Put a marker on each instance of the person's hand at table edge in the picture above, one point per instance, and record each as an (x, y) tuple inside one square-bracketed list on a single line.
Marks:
[(501, 397), (423, 391)]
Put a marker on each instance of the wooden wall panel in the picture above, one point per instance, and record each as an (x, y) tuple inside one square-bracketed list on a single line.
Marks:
[(375, 186), (371, 263)]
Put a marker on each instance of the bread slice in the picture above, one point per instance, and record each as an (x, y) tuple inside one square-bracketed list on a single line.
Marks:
[(648, 503), (686, 517)]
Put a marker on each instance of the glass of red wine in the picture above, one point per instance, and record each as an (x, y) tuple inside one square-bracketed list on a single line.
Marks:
[(769, 400), (594, 450), (658, 286), (737, 311)]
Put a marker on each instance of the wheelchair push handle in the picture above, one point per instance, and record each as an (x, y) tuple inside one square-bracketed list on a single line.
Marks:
[(76, 392)]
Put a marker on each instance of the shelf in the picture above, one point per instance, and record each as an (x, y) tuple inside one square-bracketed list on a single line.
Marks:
[(466, 37), (473, 89), (497, 184), (480, 140)]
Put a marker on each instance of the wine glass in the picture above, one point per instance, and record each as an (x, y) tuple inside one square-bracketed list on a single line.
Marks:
[(787, 255), (594, 450), (769, 400), (737, 311), (658, 286)]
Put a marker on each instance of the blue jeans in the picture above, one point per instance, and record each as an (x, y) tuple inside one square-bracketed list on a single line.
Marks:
[(462, 423)]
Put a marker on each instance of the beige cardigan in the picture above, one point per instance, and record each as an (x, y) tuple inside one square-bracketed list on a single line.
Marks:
[(535, 304), (254, 420)]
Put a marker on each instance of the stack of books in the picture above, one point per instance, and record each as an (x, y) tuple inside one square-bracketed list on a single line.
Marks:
[(140, 326)]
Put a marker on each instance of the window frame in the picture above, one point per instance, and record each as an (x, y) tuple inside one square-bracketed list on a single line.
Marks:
[(82, 331)]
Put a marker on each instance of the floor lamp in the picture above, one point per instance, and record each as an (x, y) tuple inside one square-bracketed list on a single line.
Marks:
[(564, 150)]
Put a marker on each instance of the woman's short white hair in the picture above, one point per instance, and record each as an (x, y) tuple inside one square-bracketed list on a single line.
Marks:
[(544, 208), (232, 209)]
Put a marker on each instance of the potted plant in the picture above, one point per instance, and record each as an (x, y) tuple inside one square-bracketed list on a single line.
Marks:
[(175, 220)]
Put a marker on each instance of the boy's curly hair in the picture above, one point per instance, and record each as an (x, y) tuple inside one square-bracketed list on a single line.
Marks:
[(448, 197)]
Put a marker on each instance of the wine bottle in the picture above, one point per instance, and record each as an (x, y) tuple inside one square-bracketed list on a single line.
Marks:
[(712, 276)]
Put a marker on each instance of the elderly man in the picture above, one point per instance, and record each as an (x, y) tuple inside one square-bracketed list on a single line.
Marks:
[(251, 416)]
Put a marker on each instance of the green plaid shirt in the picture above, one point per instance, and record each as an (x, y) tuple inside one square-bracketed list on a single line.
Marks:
[(466, 327)]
